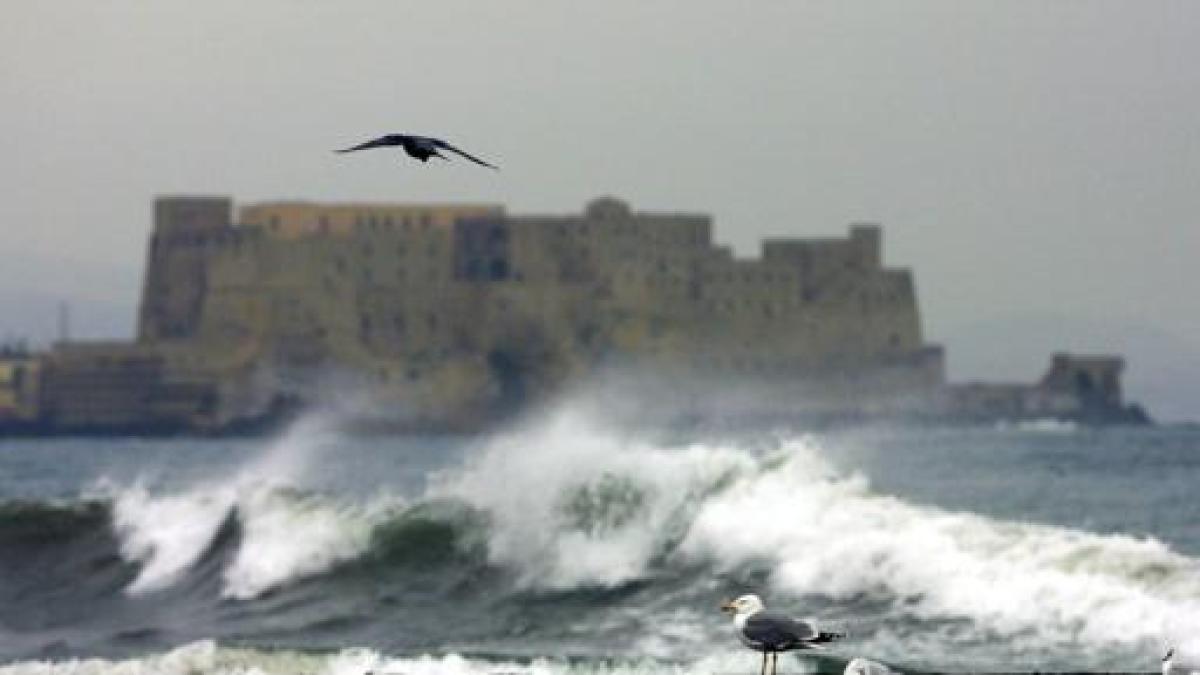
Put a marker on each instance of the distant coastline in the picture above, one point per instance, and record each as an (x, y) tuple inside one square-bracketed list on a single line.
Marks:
[(454, 317)]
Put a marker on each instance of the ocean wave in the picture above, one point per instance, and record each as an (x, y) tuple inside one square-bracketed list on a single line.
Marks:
[(570, 505), (206, 657), (1036, 586)]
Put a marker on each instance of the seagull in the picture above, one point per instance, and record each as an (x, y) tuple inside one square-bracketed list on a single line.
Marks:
[(861, 666), (420, 147), (771, 633)]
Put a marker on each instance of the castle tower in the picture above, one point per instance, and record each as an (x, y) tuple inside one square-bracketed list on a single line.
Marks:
[(187, 231)]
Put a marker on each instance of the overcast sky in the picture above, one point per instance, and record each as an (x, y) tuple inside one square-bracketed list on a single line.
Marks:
[(1036, 163)]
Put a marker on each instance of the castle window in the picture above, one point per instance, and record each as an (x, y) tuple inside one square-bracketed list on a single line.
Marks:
[(499, 269), (474, 269)]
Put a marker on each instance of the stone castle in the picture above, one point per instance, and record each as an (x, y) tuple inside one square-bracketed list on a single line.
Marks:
[(449, 316)]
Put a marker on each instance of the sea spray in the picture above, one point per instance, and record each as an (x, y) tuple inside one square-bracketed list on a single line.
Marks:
[(166, 535), (206, 657), (584, 536), (288, 535), (829, 535), (571, 505), (284, 536)]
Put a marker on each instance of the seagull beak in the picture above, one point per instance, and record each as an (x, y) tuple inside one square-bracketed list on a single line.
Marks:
[(728, 606)]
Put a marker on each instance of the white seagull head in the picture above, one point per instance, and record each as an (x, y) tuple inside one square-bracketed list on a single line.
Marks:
[(743, 606)]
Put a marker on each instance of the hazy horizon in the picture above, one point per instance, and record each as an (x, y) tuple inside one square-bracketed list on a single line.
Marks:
[(1034, 163)]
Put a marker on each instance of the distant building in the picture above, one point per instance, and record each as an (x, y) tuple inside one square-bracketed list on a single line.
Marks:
[(450, 315), (1085, 388), (19, 384)]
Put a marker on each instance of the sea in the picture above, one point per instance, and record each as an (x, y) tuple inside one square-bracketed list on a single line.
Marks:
[(565, 544)]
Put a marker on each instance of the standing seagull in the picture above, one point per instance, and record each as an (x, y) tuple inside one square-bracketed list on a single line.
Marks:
[(771, 633), (421, 147)]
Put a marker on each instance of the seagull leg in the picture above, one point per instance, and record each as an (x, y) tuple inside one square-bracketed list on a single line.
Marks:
[(774, 662), (764, 665)]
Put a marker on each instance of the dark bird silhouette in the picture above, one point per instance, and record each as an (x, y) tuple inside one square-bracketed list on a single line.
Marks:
[(420, 147)]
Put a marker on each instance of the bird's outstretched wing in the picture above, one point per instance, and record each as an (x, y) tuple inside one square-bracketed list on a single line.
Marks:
[(381, 142), (446, 146)]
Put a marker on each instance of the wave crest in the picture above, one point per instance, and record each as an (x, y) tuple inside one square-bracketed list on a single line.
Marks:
[(570, 505)]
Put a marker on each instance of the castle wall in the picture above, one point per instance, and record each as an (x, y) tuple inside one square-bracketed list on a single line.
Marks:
[(103, 386), (187, 232), (20, 381), (446, 315), (444, 308)]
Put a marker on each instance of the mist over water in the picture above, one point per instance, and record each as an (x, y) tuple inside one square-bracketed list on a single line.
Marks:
[(569, 537)]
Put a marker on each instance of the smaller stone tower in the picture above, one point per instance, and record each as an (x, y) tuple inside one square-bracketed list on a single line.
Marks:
[(187, 232)]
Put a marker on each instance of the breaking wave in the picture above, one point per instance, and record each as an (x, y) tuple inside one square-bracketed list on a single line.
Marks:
[(208, 658), (568, 507)]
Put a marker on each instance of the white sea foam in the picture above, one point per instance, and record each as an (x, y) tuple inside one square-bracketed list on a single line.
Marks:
[(571, 505), (285, 534), (206, 658), (831, 535), (166, 535), (822, 531)]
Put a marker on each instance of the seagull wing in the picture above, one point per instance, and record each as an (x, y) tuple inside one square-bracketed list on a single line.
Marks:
[(446, 146), (779, 632), (381, 142)]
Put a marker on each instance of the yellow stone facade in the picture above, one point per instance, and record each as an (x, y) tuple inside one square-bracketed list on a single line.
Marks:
[(444, 311), (19, 385), (451, 316)]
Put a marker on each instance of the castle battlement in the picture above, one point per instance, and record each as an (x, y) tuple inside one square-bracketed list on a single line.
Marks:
[(449, 315), (451, 312)]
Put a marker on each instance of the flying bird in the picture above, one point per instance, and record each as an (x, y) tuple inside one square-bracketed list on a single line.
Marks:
[(420, 147), (771, 633)]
